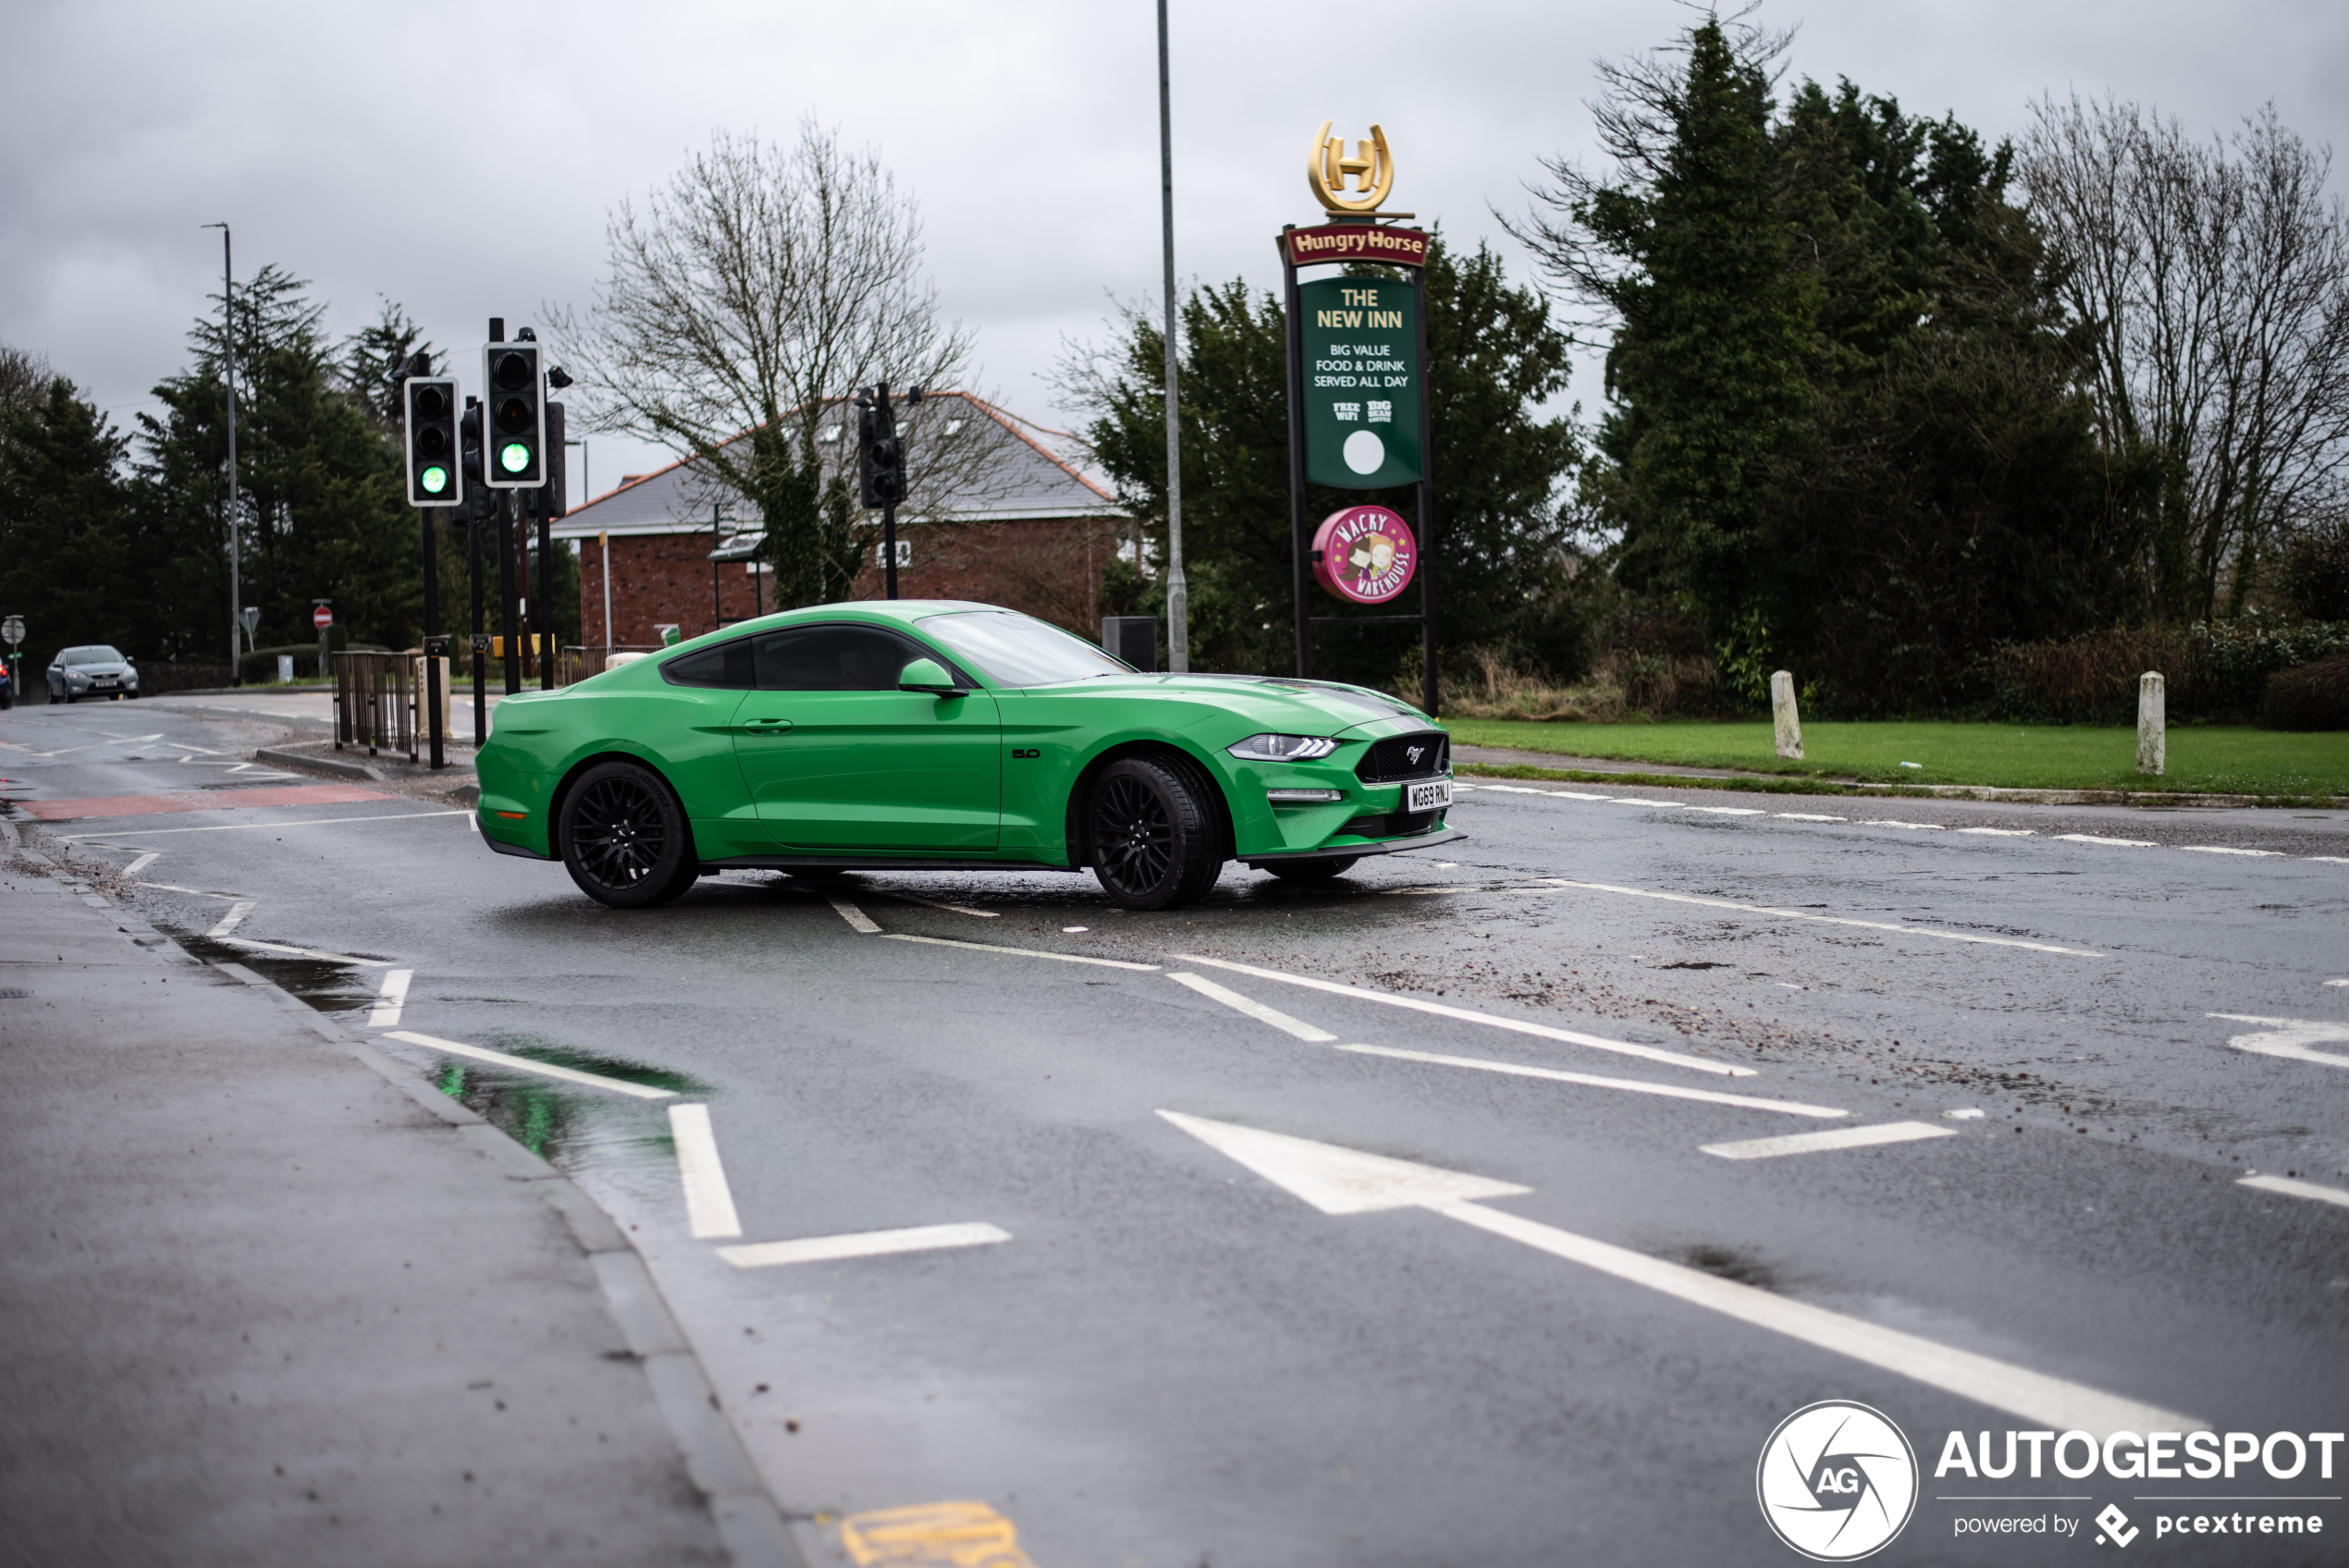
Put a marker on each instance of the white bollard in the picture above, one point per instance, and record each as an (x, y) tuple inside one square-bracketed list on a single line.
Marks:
[(2153, 724), (1783, 717)]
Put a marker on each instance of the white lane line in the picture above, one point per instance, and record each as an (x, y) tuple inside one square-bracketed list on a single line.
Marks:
[(1466, 1015), (1805, 817), (2337, 982), (1840, 1138), (2003, 832), (1829, 919), (1887, 822), (2122, 843), (1022, 952), (249, 827), (2289, 1038), (953, 909), (199, 892), (142, 864), (1731, 811), (234, 918), (857, 919), (710, 1201), (866, 1243), (1630, 801), (2293, 1189), (1255, 1010), (307, 953), (2222, 850), (542, 1069), (2331, 860), (390, 998), (1627, 1085)]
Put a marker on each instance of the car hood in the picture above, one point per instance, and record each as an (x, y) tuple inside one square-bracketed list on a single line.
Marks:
[(1278, 702), (123, 669)]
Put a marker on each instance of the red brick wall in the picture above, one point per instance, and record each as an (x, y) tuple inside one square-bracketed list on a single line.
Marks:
[(1051, 568)]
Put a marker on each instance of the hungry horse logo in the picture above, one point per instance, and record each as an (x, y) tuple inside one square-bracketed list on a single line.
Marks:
[(1372, 169)]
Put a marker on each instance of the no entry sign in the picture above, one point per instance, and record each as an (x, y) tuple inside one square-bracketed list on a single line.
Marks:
[(1365, 555), (323, 616)]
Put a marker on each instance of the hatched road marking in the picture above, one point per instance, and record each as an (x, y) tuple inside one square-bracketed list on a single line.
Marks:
[(542, 1069), (234, 918), (857, 919), (1819, 1143), (1627, 1085), (390, 998), (2293, 1189), (1827, 919), (1255, 1010), (1020, 952), (866, 1243), (710, 1201)]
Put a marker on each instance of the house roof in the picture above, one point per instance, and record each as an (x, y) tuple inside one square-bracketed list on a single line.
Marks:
[(1024, 472)]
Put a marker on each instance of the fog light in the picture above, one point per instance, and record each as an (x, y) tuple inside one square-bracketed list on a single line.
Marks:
[(1303, 797)]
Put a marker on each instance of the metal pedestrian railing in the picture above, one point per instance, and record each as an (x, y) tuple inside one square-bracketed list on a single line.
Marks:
[(379, 700)]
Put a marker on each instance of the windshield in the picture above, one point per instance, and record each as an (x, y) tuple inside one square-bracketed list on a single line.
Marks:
[(1014, 650), (97, 655)]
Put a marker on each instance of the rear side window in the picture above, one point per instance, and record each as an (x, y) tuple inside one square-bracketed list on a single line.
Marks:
[(727, 666), (833, 658)]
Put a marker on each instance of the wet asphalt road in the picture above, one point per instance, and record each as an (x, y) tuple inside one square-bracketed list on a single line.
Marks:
[(1173, 1361)]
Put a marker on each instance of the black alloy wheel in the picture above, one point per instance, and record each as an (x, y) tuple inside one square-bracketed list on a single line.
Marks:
[(1312, 870), (624, 838), (1156, 840)]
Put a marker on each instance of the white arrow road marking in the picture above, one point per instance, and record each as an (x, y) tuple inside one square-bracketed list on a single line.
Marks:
[(142, 864), (2289, 1038), (1255, 1010), (1343, 1181), (858, 921), (1841, 1138), (234, 918), (2293, 1189), (710, 1201), (1629, 1085), (1827, 919), (866, 1243), (307, 953), (1467, 1015), (1022, 952), (389, 998), (544, 1069)]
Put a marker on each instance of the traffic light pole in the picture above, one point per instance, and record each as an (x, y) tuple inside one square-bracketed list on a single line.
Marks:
[(481, 654), (889, 544), (433, 640), (508, 627), (545, 611)]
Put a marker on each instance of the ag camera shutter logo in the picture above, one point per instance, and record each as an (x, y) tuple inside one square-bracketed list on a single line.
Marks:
[(1836, 1481)]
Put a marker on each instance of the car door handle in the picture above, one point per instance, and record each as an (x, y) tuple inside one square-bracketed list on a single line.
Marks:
[(768, 725)]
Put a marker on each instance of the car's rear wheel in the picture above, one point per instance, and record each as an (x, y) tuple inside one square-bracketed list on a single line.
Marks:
[(1156, 840), (1312, 870), (624, 838)]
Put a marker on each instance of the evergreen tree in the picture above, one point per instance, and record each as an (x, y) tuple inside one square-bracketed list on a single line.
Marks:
[(66, 543)]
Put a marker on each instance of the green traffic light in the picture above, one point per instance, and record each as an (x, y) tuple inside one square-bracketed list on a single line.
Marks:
[(513, 457), (433, 480)]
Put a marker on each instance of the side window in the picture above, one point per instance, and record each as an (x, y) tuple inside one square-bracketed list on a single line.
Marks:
[(832, 659), (727, 666)]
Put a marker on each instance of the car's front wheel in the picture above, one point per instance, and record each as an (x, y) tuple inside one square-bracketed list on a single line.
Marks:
[(1156, 841), (624, 838)]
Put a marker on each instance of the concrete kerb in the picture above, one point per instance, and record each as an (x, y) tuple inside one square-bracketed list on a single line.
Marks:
[(750, 1523)]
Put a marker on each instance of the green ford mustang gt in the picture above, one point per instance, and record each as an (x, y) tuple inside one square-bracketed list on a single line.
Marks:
[(935, 734)]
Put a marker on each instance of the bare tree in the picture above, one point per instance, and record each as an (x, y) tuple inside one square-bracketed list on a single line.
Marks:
[(746, 300), (2218, 276)]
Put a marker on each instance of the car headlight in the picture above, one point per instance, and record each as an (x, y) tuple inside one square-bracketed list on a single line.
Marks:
[(1284, 748)]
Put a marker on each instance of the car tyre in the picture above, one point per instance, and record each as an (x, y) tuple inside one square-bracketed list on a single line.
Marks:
[(1157, 842), (1312, 870), (624, 838)]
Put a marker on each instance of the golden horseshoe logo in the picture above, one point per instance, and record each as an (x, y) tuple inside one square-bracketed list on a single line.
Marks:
[(1327, 166)]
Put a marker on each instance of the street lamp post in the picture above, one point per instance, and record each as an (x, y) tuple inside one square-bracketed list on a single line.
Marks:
[(228, 365), (1178, 609)]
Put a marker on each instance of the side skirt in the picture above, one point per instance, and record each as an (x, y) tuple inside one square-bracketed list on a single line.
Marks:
[(868, 863)]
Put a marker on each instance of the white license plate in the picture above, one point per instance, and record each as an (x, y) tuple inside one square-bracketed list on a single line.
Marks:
[(1434, 796)]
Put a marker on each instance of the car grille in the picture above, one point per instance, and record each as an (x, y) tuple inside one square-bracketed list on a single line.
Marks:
[(1391, 824), (1390, 759)]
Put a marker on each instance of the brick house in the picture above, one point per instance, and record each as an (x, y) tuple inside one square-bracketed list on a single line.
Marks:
[(1025, 526)]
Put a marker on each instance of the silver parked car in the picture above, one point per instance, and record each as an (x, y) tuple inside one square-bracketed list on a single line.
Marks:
[(94, 671)]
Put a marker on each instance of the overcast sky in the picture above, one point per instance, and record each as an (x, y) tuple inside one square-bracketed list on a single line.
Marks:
[(367, 146)]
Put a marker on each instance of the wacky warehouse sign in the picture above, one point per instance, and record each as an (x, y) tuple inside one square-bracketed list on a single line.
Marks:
[(1358, 341), (1365, 555)]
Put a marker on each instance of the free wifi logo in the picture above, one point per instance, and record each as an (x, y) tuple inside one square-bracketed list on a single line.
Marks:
[(1836, 1481)]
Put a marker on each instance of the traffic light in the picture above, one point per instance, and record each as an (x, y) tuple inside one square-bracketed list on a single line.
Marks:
[(435, 477), (514, 398), (880, 456)]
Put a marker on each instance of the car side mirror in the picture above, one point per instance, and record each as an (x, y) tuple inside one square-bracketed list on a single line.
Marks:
[(929, 675)]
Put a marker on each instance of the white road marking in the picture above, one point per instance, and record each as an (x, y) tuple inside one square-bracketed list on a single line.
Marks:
[(2289, 1038), (1829, 919), (1969, 1114), (234, 918), (1467, 1015), (142, 864), (1806, 816), (2337, 982), (857, 919), (1731, 811), (1253, 1009), (1819, 1143), (710, 1201), (2003, 832), (1887, 822), (1021, 952), (2122, 843), (1075, 930), (542, 1069), (1629, 1085), (389, 998), (952, 909), (1630, 801), (249, 827), (2331, 859), (867, 1243), (2222, 850), (1340, 1181), (2293, 1189), (307, 953), (199, 892)]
